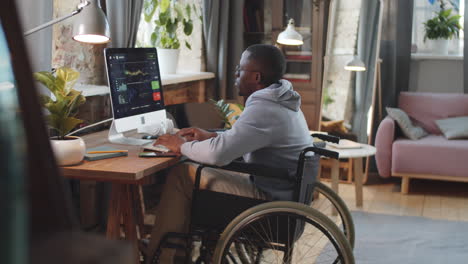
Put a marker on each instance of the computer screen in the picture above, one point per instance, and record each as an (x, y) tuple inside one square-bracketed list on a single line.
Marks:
[(135, 87)]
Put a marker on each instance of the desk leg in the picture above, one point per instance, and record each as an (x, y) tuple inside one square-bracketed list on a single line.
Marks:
[(115, 211), (139, 206), (128, 216), (335, 174), (358, 175), (121, 206)]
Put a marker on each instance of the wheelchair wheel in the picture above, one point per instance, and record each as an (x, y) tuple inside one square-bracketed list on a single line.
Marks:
[(282, 232), (328, 206)]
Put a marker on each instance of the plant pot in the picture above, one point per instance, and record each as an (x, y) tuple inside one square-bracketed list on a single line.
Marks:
[(69, 151), (168, 59), (440, 46)]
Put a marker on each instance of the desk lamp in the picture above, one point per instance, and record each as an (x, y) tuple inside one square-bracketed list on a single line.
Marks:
[(290, 36), (90, 27)]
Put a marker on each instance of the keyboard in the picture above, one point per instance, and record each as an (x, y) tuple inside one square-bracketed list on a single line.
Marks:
[(159, 148)]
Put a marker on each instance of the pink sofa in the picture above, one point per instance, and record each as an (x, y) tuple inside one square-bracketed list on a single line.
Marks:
[(430, 157)]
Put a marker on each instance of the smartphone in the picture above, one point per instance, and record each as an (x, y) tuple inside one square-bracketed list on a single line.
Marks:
[(152, 154)]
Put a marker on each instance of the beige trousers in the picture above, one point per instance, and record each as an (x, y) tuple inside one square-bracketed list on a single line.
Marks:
[(173, 211)]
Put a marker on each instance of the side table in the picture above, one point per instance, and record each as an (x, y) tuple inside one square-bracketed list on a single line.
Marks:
[(357, 155)]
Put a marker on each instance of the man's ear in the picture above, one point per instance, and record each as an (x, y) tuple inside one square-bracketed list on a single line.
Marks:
[(258, 77)]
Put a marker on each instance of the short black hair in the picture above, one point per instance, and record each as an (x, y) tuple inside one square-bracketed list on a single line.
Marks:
[(272, 61)]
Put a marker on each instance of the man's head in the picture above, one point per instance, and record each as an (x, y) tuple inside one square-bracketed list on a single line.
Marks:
[(260, 66)]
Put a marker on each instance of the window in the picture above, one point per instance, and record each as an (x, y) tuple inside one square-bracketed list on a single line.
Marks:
[(423, 11), (189, 59)]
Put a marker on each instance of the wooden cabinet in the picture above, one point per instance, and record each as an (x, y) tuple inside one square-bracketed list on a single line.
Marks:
[(265, 19)]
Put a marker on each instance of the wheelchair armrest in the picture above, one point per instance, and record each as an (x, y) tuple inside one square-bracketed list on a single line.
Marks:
[(239, 166), (326, 137), (319, 151)]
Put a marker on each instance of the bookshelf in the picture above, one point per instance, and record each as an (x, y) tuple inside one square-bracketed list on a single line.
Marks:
[(265, 19)]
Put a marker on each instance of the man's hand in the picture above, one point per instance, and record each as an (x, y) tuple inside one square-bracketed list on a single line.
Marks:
[(172, 142), (195, 133)]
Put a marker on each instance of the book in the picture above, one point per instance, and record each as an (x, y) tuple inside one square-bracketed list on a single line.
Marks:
[(345, 144), (99, 156), (299, 57), (297, 76), (299, 52)]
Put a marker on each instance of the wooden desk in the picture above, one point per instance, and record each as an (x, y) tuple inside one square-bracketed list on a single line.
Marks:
[(124, 174)]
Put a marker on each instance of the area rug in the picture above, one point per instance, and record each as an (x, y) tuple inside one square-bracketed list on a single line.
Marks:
[(382, 239)]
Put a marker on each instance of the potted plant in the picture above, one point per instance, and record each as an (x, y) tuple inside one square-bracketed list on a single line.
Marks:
[(62, 108), (228, 112), (441, 28), (170, 17)]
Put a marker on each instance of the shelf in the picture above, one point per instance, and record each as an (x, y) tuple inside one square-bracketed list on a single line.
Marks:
[(301, 61), (297, 80), (429, 56)]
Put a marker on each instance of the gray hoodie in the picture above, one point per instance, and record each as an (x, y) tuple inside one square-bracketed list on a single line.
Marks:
[(271, 131)]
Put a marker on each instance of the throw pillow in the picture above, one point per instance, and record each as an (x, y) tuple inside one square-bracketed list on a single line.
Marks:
[(454, 128), (404, 122)]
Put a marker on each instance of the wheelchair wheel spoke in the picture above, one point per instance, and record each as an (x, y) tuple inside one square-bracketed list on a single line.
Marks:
[(287, 238)]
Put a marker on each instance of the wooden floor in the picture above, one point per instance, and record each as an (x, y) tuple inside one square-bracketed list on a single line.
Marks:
[(427, 198)]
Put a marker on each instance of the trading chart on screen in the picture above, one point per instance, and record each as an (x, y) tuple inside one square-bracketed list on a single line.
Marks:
[(136, 84)]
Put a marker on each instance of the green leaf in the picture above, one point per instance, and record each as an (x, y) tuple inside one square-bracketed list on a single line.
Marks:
[(69, 124), (47, 79), (69, 78), (188, 45), (188, 27), (164, 18), (241, 107), (153, 38), (149, 7), (445, 13), (164, 5)]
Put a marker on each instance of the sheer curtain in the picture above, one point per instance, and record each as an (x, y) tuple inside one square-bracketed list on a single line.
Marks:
[(124, 18), (368, 48)]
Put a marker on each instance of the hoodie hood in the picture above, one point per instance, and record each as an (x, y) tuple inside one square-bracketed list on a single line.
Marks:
[(281, 93)]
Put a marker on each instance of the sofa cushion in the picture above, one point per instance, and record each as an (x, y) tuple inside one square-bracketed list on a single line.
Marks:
[(425, 108), (454, 128), (411, 131), (433, 154)]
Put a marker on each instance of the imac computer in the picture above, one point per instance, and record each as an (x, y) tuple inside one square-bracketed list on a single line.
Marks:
[(135, 92)]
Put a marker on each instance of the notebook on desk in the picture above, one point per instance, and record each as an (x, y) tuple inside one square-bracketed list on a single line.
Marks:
[(99, 156)]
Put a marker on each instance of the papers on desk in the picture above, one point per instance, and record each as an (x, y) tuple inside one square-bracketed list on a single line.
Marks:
[(345, 144)]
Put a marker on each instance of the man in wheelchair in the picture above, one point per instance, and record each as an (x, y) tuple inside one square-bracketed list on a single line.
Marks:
[(271, 131)]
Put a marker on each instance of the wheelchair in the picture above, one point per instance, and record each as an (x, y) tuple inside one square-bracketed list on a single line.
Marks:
[(242, 230)]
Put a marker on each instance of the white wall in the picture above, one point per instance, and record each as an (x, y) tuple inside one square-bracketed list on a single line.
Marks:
[(436, 75)]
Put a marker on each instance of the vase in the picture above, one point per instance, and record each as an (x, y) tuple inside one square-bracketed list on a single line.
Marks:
[(168, 59), (68, 151), (440, 46)]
